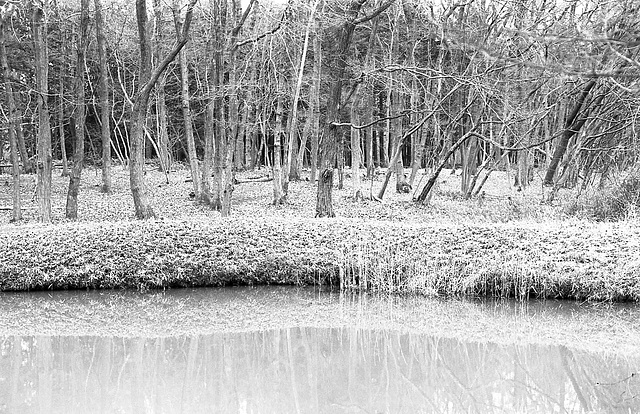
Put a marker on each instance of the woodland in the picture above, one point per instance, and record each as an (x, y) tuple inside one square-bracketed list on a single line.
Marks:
[(229, 86), (371, 110)]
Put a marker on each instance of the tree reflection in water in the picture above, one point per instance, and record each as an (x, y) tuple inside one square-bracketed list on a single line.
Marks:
[(308, 370)]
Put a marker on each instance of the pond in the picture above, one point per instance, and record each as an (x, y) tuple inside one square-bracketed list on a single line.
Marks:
[(290, 350)]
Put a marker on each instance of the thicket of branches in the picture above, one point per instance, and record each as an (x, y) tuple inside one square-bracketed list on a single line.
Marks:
[(478, 85)]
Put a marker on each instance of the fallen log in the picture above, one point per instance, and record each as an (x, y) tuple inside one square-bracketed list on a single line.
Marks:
[(254, 180)]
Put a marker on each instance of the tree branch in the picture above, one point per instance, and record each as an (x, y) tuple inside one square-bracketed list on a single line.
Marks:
[(265, 34), (373, 15), (236, 29), (174, 52), (349, 124)]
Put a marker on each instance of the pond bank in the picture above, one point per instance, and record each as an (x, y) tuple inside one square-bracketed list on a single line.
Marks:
[(568, 260)]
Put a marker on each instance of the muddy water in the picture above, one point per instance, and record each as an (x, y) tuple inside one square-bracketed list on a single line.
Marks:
[(284, 350)]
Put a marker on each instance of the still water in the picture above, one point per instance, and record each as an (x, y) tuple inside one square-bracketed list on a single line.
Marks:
[(287, 350)]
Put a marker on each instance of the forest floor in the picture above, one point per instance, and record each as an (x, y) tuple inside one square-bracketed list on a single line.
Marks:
[(505, 243), (170, 200)]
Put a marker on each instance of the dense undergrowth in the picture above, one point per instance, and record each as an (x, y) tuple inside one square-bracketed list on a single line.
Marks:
[(502, 245), (619, 200), (587, 262)]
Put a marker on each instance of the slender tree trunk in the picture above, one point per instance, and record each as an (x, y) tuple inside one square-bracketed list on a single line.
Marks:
[(143, 209), (80, 115), (61, 106), (369, 145), (386, 137), (306, 132), (378, 145), (293, 130), (402, 186), (27, 165), (432, 180), (63, 143), (418, 140), (14, 119), (227, 180), (162, 128), (231, 137), (105, 108), (44, 129), (209, 152), (570, 129), (161, 143), (279, 197), (315, 102), (238, 158), (340, 159), (356, 158), (186, 108), (356, 137)]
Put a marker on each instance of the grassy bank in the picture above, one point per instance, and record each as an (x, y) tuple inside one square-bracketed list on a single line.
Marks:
[(576, 260)]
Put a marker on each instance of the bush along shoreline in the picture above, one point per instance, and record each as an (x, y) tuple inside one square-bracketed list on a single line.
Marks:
[(564, 260)]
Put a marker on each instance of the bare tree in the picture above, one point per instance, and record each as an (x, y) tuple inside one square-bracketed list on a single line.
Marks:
[(186, 108), (293, 128), (6, 11), (344, 36), (162, 133), (572, 125), (80, 114), (39, 8), (105, 108), (148, 79)]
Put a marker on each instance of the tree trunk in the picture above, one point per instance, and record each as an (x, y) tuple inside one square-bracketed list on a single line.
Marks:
[(105, 108), (293, 130), (402, 186), (27, 165), (44, 129), (80, 115), (61, 107), (63, 143), (356, 160), (231, 136), (570, 128), (161, 142), (186, 108), (432, 180), (315, 101), (418, 140), (340, 160), (216, 102), (306, 132), (148, 80), (209, 152), (344, 35), (356, 138), (278, 190), (14, 119), (369, 147), (143, 209)]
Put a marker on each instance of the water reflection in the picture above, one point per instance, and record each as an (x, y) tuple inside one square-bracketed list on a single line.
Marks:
[(307, 369)]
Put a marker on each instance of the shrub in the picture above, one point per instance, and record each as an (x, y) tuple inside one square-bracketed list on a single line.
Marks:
[(618, 202)]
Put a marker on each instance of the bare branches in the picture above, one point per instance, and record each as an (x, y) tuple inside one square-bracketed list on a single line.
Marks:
[(374, 14), (182, 40), (367, 125), (262, 35)]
